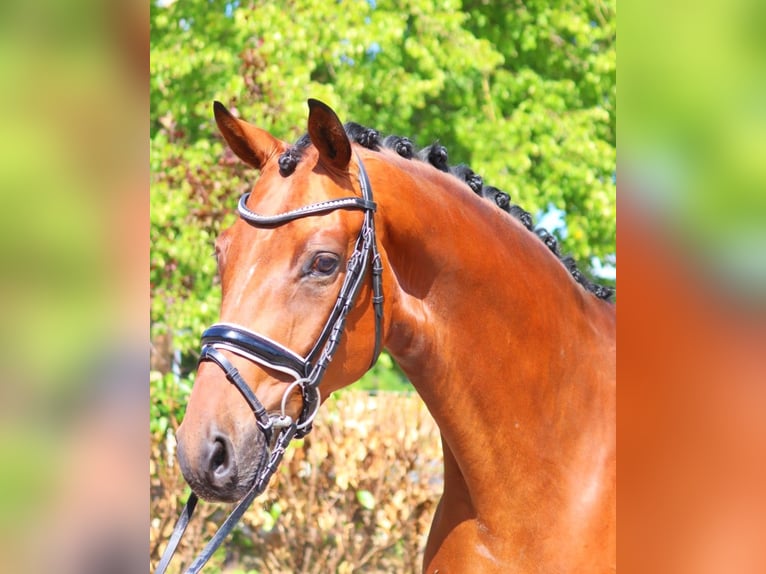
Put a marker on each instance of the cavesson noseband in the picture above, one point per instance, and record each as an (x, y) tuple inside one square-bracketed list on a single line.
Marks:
[(307, 371)]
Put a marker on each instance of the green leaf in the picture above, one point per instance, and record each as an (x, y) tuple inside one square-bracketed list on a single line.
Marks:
[(366, 499)]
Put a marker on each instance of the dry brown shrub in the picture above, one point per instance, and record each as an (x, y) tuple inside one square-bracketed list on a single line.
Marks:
[(356, 495)]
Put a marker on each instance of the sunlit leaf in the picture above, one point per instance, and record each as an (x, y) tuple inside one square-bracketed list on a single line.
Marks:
[(366, 499)]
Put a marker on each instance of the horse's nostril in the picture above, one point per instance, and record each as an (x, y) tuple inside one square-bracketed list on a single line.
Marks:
[(221, 467), (219, 456)]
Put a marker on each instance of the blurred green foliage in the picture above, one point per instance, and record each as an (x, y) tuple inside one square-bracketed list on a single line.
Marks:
[(695, 132), (523, 93)]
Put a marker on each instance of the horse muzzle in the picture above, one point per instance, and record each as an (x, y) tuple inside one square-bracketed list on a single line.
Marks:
[(219, 466), (223, 449)]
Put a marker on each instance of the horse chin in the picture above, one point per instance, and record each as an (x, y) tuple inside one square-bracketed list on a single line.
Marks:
[(249, 472)]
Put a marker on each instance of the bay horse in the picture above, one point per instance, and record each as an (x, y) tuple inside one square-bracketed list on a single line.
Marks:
[(512, 352)]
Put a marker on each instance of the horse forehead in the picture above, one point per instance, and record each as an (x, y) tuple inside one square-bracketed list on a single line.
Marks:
[(309, 183), (273, 194)]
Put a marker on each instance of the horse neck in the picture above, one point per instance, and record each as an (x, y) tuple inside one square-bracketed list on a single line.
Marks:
[(496, 337)]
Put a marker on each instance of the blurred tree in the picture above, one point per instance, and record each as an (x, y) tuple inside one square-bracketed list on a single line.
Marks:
[(523, 92)]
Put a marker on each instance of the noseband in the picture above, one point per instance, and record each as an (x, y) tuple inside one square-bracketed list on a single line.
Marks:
[(307, 371)]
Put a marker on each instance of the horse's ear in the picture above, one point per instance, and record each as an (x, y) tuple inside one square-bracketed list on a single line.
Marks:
[(327, 134), (253, 145)]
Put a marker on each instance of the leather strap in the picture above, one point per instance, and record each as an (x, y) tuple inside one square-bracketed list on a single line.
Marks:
[(255, 347), (178, 531), (313, 209), (209, 353)]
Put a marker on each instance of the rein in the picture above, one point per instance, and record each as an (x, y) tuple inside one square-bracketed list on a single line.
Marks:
[(307, 371)]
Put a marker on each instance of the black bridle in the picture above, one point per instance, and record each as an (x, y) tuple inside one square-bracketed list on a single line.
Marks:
[(307, 371)]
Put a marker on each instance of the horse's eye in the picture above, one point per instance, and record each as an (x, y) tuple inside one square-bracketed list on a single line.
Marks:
[(324, 264)]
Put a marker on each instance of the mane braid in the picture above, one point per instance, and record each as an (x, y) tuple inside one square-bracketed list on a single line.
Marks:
[(402, 146), (524, 216), (288, 161), (365, 137), (436, 155), (549, 239), (472, 180), (501, 199)]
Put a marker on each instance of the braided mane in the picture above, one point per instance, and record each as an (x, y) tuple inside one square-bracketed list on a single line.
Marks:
[(436, 155)]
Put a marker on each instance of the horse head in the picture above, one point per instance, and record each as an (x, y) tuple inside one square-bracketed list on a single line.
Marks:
[(284, 267)]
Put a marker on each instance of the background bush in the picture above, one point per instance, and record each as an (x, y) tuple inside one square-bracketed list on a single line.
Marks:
[(355, 495)]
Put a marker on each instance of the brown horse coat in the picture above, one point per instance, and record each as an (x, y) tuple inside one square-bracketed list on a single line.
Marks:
[(514, 359)]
